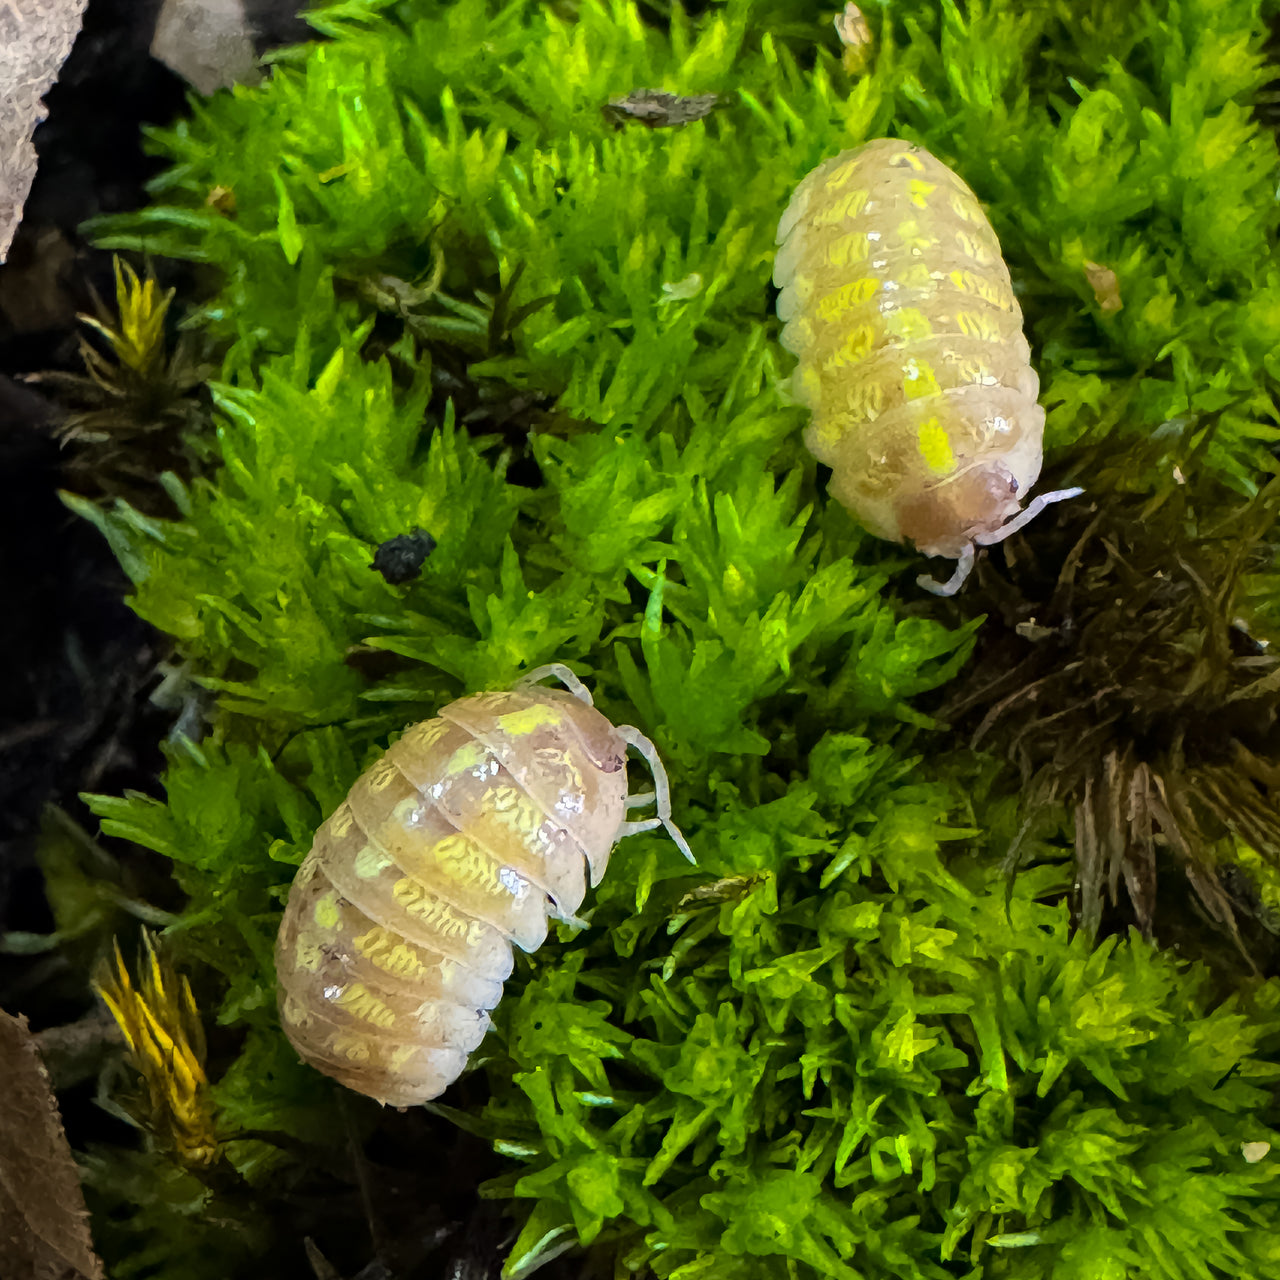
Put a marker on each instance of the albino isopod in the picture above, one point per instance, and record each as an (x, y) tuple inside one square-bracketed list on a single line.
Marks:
[(912, 359), (461, 840)]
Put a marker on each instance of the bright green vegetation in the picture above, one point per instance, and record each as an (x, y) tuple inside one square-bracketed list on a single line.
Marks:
[(863, 1055)]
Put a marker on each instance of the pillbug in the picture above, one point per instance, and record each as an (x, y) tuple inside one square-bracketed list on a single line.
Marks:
[(912, 359), (461, 840)]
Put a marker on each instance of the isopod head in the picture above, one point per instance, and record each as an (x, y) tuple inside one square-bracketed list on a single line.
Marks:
[(568, 757)]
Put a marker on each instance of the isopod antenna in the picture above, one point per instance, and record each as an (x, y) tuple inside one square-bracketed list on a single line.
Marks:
[(661, 792), (964, 563), (634, 738)]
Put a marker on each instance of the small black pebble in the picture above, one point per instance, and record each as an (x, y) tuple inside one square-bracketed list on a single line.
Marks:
[(399, 559)]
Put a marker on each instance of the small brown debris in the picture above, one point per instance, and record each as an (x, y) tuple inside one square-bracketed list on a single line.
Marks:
[(1106, 287), (856, 37), (659, 110)]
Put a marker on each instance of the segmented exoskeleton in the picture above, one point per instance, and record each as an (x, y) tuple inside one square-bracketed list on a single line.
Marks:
[(898, 304), (462, 840)]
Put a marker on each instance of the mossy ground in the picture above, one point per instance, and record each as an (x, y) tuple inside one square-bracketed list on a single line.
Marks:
[(456, 297)]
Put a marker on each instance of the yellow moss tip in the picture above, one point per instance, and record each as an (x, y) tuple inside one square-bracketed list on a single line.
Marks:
[(162, 1029), (137, 338)]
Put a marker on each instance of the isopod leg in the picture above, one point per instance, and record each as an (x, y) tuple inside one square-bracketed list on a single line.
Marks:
[(662, 790), (953, 584), (564, 675), (635, 828), (1033, 509)]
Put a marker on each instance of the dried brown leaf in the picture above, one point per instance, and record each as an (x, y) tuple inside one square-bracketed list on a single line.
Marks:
[(855, 35), (44, 1228), (657, 109), (1105, 285)]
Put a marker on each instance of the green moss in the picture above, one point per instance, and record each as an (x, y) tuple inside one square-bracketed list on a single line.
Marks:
[(830, 1050)]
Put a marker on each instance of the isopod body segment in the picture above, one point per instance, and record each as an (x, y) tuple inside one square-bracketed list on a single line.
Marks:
[(461, 841), (912, 360)]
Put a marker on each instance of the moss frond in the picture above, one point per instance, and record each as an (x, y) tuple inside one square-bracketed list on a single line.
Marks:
[(135, 415)]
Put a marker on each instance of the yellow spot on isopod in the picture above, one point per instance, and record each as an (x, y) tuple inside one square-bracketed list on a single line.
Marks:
[(913, 238), (840, 175), (515, 811), (983, 287), (909, 324), (400, 1058), (456, 846), (919, 381), (342, 821), (295, 1013), (381, 775), (326, 910), (935, 447), (408, 811), (425, 735), (975, 372), (973, 325), (901, 158), (467, 757), (389, 952), (971, 248), (848, 206), (856, 347), (841, 301), (352, 1047), (308, 952), (917, 277), (919, 192), (847, 250), (372, 861), (423, 905), (500, 799), (530, 720), (361, 1003), (827, 431), (467, 865), (964, 209), (866, 399)]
